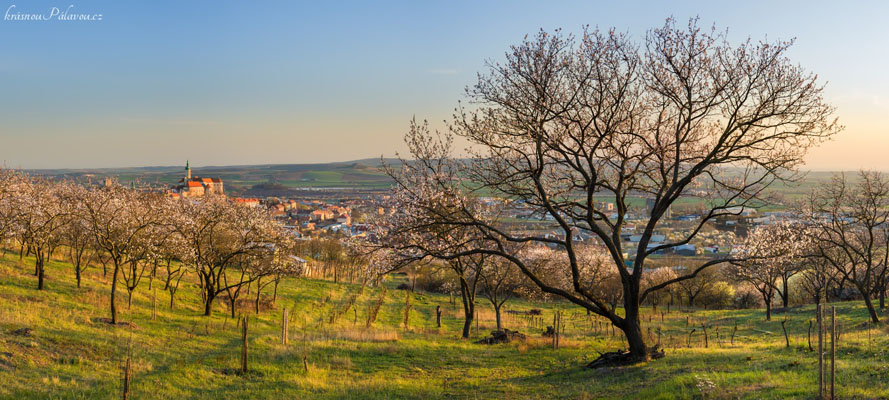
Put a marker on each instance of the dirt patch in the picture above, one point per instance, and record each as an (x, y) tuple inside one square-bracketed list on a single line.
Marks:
[(549, 332), (24, 332), (237, 372), (104, 320), (6, 361), (502, 336), (781, 310), (245, 305), (622, 358)]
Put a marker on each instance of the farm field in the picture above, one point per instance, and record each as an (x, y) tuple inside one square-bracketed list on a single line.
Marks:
[(53, 345)]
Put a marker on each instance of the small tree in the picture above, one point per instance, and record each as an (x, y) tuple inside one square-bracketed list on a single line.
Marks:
[(269, 268), (466, 271), (77, 236), (500, 282), (11, 183), (220, 237), (119, 219), (849, 232), (693, 287), (41, 220), (767, 251), (657, 277), (818, 277)]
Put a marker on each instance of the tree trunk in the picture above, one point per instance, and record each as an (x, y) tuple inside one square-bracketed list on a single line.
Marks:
[(785, 295), (256, 303), (768, 302), (468, 308), (39, 265), (467, 320), (633, 328), (883, 298), (635, 341), (77, 271), (208, 305), (497, 313), (151, 276), (113, 291), (871, 310), (169, 276)]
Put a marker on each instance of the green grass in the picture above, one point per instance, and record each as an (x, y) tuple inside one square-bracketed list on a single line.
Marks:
[(182, 354)]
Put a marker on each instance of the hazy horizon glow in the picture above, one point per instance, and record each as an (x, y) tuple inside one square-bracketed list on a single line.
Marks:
[(156, 83)]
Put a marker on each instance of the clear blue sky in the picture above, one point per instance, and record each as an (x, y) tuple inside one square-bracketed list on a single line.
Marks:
[(247, 82)]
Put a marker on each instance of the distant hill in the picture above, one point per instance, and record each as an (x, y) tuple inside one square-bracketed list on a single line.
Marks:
[(260, 180), (286, 179)]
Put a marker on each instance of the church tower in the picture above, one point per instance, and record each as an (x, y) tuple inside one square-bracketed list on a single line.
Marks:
[(187, 171)]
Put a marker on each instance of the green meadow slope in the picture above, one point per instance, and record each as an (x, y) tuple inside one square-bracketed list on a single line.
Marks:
[(67, 352)]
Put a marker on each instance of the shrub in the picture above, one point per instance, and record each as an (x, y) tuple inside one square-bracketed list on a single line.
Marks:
[(746, 297), (718, 295)]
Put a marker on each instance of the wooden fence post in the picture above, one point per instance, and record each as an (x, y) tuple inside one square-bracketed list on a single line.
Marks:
[(833, 350), (284, 326), (818, 315), (407, 309), (244, 347), (126, 380), (704, 327), (734, 330), (809, 335), (555, 327)]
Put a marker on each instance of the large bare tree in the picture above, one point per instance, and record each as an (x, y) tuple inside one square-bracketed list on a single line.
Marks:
[(563, 124)]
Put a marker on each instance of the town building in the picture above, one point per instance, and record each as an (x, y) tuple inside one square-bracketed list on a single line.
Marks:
[(197, 186)]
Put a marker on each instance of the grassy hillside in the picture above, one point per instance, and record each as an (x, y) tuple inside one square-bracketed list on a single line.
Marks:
[(69, 353)]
